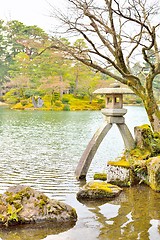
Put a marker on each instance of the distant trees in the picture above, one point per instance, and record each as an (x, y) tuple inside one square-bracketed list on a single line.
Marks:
[(19, 44), (27, 60), (117, 35)]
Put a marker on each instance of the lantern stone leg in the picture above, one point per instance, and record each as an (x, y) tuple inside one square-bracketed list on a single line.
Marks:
[(91, 150), (127, 136), (113, 113)]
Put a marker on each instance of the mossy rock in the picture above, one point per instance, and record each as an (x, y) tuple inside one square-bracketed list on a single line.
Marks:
[(153, 167), (140, 171), (144, 136), (119, 175), (98, 190), (147, 140), (155, 144), (21, 204), (100, 176)]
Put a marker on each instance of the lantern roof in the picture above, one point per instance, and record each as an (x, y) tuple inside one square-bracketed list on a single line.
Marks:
[(113, 90)]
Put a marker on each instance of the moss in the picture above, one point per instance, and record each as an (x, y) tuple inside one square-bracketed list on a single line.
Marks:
[(157, 177), (137, 154), (121, 183), (100, 186), (100, 176), (42, 201), (155, 144), (73, 213), (156, 135), (141, 172), (147, 134), (149, 140), (157, 113), (98, 190), (41, 204), (25, 193), (12, 214), (121, 163), (43, 197), (145, 127), (17, 205), (2, 218)]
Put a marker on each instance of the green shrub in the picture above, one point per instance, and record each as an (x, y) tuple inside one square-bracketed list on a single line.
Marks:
[(12, 100), (24, 102), (138, 100), (65, 100), (100, 100), (11, 93), (58, 103), (66, 107), (80, 95), (33, 92), (56, 96)]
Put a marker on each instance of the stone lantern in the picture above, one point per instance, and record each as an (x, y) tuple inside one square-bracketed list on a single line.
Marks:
[(114, 110), (113, 113)]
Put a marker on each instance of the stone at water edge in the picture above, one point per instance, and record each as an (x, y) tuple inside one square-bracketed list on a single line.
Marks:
[(22, 204), (118, 175), (98, 190), (153, 167), (100, 176)]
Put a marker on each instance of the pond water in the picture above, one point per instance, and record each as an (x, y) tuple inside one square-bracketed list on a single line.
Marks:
[(42, 149)]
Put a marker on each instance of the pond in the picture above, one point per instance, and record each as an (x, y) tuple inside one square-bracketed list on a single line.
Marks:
[(41, 149)]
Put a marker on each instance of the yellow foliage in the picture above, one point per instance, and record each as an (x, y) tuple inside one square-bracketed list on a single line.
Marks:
[(75, 104)]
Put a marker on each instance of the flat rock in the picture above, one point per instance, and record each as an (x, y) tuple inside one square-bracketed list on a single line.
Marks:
[(98, 190), (22, 204)]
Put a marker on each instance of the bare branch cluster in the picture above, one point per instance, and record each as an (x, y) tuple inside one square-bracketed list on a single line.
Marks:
[(117, 35)]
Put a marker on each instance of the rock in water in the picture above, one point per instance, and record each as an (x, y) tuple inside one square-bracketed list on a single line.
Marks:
[(118, 175), (22, 204), (98, 190), (153, 167)]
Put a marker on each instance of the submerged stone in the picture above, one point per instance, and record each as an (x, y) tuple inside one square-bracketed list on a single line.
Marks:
[(22, 204), (98, 190), (100, 176)]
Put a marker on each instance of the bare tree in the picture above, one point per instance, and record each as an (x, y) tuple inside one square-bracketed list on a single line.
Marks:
[(118, 34)]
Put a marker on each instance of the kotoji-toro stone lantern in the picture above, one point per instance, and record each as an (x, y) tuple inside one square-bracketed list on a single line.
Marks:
[(114, 110), (114, 114)]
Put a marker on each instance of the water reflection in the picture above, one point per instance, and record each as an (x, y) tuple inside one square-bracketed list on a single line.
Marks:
[(33, 232), (135, 213)]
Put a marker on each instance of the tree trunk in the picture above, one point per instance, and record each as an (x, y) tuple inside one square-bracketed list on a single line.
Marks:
[(61, 86), (153, 113), (146, 93)]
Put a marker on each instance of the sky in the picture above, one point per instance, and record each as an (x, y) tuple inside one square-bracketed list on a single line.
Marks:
[(29, 12)]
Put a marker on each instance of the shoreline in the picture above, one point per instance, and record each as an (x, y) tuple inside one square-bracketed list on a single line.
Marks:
[(3, 104)]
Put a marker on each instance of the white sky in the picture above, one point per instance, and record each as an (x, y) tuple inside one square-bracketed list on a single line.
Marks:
[(29, 12)]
